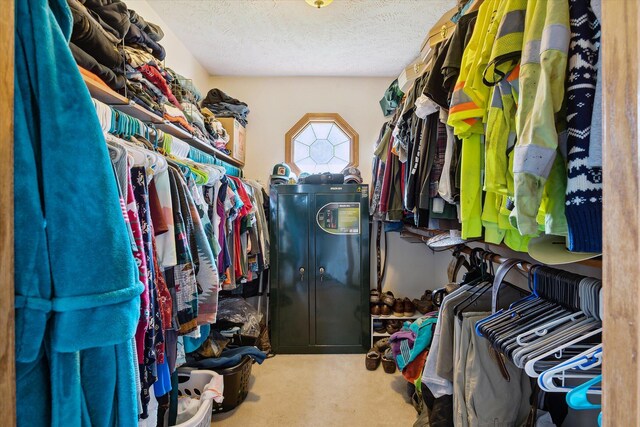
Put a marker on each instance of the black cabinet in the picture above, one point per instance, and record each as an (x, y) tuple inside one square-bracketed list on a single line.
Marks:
[(320, 268)]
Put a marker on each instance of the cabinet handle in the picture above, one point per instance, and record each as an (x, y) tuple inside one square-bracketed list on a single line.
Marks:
[(301, 273), (321, 274)]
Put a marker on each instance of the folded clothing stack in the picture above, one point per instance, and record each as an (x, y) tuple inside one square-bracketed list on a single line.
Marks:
[(100, 27), (222, 105), (117, 47)]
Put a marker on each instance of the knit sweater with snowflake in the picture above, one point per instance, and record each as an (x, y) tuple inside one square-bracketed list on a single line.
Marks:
[(584, 184)]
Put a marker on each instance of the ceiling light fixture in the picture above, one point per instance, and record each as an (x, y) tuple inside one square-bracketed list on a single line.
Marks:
[(319, 3)]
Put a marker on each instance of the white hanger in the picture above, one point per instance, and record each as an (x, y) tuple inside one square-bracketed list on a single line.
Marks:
[(530, 368), (554, 341), (590, 359), (543, 330)]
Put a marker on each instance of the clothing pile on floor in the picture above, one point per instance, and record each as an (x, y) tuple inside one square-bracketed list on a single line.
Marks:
[(496, 139), (116, 47), (239, 331)]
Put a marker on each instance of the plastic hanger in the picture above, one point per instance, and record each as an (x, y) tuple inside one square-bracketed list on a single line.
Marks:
[(588, 360), (578, 399), (544, 329)]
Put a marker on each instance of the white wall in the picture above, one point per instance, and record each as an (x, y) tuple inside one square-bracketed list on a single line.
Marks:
[(277, 103), (411, 267), (179, 58)]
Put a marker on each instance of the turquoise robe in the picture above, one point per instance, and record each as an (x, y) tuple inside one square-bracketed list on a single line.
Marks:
[(76, 285)]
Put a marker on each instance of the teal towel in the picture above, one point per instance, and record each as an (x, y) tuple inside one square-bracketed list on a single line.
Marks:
[(76, 285)]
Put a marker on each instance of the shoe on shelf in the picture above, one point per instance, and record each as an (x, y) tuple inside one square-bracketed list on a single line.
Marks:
[(374, 296), (381, 345), (379, 326), (398, 308), (427, 296), (409, 307), (393, 326), (372, 361), (388, 298), (424, 306), (375, 309), (388, 364), (386, 310)]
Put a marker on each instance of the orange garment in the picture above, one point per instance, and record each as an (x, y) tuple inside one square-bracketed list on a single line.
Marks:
[(413, 370), (88, 75)]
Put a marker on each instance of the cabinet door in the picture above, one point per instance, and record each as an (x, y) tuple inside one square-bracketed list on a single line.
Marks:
[(337, 270), (293, 284)]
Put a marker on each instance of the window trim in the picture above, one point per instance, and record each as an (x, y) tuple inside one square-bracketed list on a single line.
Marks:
[(335, 118)]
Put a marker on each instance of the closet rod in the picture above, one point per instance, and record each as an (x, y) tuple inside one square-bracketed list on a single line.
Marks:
[(495, 258)]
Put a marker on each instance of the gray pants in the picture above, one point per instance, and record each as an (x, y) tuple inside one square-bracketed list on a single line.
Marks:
[(482, 396)]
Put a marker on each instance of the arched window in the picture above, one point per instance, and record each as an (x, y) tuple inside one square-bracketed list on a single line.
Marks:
[(321, 142)]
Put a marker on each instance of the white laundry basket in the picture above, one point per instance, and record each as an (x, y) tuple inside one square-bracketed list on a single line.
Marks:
[(193, 387)]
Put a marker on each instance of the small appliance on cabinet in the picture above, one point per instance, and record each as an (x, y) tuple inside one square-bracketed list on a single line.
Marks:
[(320, 268)]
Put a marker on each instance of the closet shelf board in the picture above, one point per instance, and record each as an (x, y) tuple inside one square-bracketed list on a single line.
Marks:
[(105, 95), (416, 315), (379, 334), (133, 109), (139, 112)]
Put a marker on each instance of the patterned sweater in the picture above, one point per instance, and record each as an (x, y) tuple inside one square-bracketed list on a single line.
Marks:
[(584, 184)]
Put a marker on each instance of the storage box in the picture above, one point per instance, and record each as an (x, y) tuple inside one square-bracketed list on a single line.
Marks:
[(237, 137)]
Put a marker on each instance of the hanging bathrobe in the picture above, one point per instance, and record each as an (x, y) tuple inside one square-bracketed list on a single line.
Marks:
[(76, 285)]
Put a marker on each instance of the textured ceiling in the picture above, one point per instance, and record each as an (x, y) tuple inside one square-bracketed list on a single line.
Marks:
[(290, 38)]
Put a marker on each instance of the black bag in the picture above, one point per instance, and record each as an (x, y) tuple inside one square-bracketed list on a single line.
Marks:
[(324, 178)]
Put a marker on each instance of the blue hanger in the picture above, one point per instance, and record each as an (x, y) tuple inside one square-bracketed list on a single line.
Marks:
[(577, 398)]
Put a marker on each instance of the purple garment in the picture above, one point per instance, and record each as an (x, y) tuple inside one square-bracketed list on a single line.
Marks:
[(397, 338)]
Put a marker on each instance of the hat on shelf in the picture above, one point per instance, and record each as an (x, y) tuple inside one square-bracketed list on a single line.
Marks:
[(447, 240), (552, 250), (281, 174), (352, 175)]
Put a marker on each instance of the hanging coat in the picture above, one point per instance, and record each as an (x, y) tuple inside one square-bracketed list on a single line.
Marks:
[(76, 285)]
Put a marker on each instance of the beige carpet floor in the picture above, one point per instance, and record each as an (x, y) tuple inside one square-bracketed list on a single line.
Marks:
[(321, 390)]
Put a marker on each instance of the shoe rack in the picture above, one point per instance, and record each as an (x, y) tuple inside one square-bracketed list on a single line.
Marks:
[(377, 335)]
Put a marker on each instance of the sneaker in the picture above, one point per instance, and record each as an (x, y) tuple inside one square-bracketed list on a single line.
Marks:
[(379, 326), (375, 309), (427, 296), (388, 298), (374, 296), (409, 307), (386, 310), (424, 306), (393, 326), (398, 308)]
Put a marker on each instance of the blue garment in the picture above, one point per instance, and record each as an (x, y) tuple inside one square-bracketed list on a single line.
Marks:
[(422, 329), (230, 358), (192, 344), (76, 283), (163, 385)]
